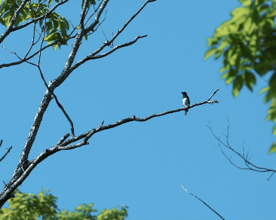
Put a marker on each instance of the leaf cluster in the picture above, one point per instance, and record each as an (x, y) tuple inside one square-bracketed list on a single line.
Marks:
[(247, 45), (43, 206), (56, 27)]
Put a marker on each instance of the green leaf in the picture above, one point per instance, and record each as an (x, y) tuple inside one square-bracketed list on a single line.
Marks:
[(274, 130), (231, 76), (210, 52), (250, 80), (229, 79), (223, 44), (237, 85), (224, 68), (212, 41), (245, 2), (272, 148), (218, 54), (225, 75), (264, 89)]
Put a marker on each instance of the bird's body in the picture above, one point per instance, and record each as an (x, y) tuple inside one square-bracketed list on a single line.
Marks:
[(185, 101)]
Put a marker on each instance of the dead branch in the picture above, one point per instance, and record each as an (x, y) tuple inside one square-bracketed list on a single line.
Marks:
[(201, 201), (25, 168), (245, 157), (109, 42), (8, 151)]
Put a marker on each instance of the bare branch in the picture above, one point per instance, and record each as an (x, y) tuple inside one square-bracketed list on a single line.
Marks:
[(56, 99), (97, 17), (245, 157), (107, 43), (22, 60), (8, 151), (126, 120), (63, 139), (93, 13), (92, 56), (92, 132), (213, 94), (44, 81), (32, 43), (116, 48), (127, 23), (47, 97), (201, 201), (25, 168)]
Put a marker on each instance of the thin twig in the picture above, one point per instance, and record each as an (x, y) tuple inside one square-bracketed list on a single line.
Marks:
[(213, 94), (8, 151), (244, 156), (130, 119), (40, 17), (44, 81), (109, 42), (201, 201), (93, 13), (12, 21)]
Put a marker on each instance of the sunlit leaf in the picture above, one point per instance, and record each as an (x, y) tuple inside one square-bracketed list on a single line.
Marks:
[(212, 41), (209, 53), (272, 148), (237, 85), (225, 75), (250, 80), (246, 2), (264, 89)]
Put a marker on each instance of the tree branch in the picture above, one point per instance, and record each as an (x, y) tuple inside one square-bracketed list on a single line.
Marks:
[(8, 151), (40, 17), (107, 43), (245, 157), (115, 48), (97, 17), (134, 118), (201, 201), (44, 81), (26, 167), (10, 27), (92, 56), (21, 60)]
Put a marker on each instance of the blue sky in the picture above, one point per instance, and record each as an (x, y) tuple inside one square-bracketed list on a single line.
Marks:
[(142, 165)]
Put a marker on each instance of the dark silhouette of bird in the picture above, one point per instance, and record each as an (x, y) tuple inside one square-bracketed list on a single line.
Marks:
[(185, 101)]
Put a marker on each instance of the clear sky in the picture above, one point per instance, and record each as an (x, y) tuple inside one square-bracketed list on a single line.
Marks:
[(142, 165)]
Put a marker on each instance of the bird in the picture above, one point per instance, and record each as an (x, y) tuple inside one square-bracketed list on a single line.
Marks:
[(185, 101)]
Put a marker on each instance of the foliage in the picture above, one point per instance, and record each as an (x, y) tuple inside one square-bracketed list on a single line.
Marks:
[(56, 27), (28, 206), (247, 45)]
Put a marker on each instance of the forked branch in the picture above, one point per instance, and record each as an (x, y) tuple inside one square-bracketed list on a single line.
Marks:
[(63, 144), (245, 157)]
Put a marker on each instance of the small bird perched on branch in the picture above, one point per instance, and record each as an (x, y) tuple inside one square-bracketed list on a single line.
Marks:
[(185, 101)]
